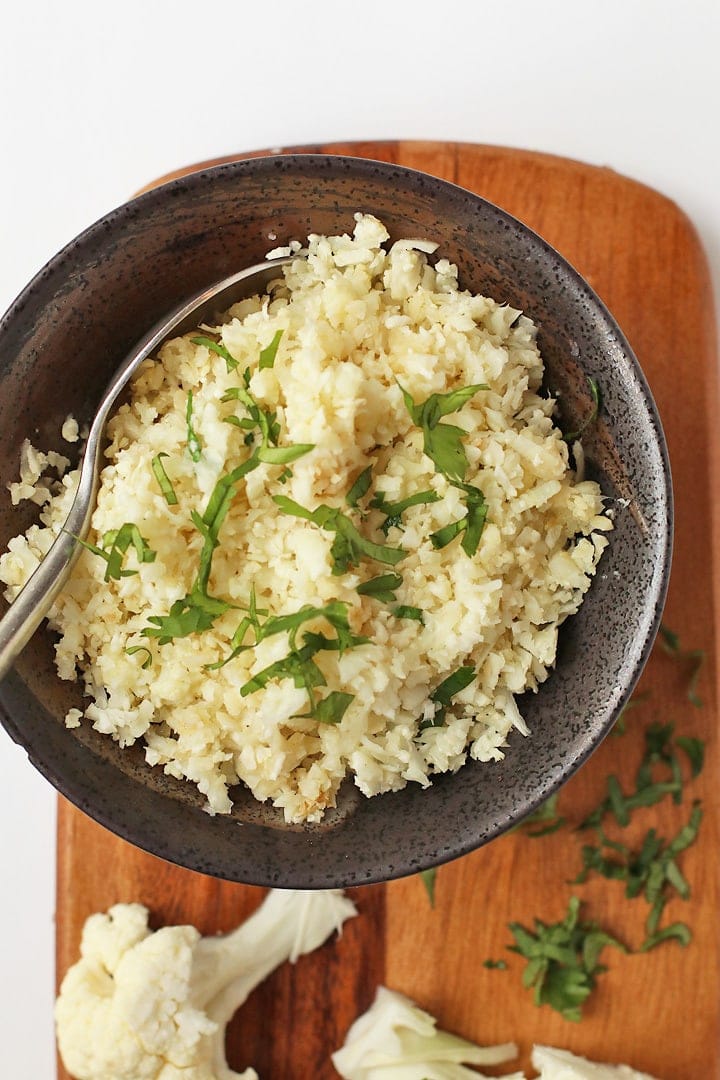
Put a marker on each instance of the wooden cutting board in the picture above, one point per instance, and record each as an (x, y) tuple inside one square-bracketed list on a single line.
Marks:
[(660, 1010)]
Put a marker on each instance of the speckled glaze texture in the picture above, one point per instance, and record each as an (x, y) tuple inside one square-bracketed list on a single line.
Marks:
[(69, 329)]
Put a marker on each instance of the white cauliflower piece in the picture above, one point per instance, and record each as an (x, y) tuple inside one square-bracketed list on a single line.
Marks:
[(396, 1040), (140, 1005), (553, 1064)]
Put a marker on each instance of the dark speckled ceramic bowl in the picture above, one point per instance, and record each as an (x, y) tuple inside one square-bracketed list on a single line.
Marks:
[(68, 330)]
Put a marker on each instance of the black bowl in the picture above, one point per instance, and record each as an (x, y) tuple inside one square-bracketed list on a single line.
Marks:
[(64, 336)]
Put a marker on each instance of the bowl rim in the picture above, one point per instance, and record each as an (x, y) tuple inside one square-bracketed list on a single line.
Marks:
[(309, 877)]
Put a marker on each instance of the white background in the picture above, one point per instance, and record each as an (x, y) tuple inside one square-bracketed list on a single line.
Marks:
[(98, 99)]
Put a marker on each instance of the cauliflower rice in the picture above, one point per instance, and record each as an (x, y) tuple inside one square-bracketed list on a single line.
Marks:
[(360, 324)]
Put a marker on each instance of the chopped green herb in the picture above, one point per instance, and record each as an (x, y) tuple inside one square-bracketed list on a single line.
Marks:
[(651, 871), (495, 965), (695, 750), (695, 658), (268, 354), (394, 511), (677, 931), (445, 692), (406, 611), (162, 478), (471, 526), (546, 817), (659, 751), (620, 726), (348, 547), (284, 476), (193, 443), (331, 709), (114, 546), (299, 664), (443, 442), (360, 487), (334, 612), (382, 588), (572, 436), (217, 347), (429, 878), (562, 959), (132, 649)]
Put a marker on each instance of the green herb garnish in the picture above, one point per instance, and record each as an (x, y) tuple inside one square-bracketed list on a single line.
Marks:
[(562, 960), (651, 871), (572, 436), (360, 487), (300, 666), (193, 443), (348, 547), (443, 442), (163, 480), (547, 819), (382, 588), (331, 709), (394, 511), (406, 611), (132, 649), (659, 751), (268, 354), (445, 692), (495, 965), (471, 526), (677, 931), (429, 878), (115, 545), (334, 612), (217, 347), (620, 726), (670, 643)]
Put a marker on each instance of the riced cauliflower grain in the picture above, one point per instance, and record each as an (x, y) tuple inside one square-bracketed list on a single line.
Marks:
[(359, 320)]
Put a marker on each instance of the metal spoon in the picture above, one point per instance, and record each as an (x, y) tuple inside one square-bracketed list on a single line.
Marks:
[(33, 602)]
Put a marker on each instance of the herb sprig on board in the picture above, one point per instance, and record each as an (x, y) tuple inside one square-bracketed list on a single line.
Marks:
[(563, 959)]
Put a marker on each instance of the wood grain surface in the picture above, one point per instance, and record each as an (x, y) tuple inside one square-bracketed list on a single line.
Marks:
[(659, 1011)]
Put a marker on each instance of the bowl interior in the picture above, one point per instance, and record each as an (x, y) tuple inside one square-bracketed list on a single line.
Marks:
[(69, 329)]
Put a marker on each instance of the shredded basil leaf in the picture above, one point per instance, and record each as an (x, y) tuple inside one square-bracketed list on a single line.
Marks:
[(382, 588), (163, 480), (471, 526), (695, 658), (572, 436), (443, 442), (217, 347), (445, 692), (331, 709), (132, 649), (406, 611), (360, 488), (394, 511), (677, 931), (115, 545), (429, 879), (268, 354), (547, 817), (562, 960), (348, 547), (193, 443)]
